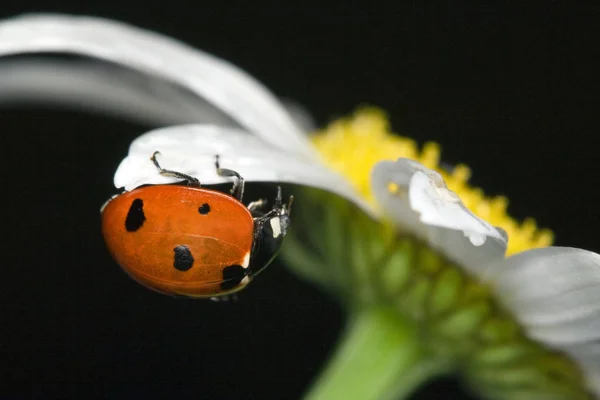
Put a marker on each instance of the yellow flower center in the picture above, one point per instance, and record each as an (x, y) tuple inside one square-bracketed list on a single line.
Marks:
[(352, 146)]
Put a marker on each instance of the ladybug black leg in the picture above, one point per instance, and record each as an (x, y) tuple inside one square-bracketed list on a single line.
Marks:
[(165, 172), (264, 218), (237, 190), (276, 209), (257, 205)]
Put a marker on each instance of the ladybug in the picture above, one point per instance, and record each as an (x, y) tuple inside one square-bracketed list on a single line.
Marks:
[(185, 240)]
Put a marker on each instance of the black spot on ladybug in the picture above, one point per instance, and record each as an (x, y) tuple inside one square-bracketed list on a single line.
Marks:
[(232, 276), (183, 259), (204, 209), (135, 216)]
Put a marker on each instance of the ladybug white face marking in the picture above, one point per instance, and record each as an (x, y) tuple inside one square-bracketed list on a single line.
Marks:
[(275, 227)]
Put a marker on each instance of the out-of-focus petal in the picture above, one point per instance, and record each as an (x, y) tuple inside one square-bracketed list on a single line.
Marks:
[(114, 90), (554, 292), (191, 149), (219, 82), (104, 88), (301, 115), (417, 200)]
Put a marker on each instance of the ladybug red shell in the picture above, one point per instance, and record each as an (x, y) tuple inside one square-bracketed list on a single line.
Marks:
[(191, 241)]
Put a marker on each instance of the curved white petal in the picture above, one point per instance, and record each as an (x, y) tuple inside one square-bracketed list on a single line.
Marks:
[(420, 202), (229, 88), (114, 90), (555, 293), (104, 88), (191, 149), (301, 116)]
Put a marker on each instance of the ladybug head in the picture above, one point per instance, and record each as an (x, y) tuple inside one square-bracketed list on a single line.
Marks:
[(270, 234)]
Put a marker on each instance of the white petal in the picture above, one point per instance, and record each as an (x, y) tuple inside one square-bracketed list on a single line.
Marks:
[(301, 115), (588, 356), (106, 88), (191, 149), (229, 88), (424, 206), (554, 293), (592, 374), (114, 90)]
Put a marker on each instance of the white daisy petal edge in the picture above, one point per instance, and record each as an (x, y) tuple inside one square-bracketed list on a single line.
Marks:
[(239, 95), (191, 149), (554, 293), (423, 205)]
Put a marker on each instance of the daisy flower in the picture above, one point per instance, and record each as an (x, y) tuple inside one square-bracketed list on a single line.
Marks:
[(435, 276)]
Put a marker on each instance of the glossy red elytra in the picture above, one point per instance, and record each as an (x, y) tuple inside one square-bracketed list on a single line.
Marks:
[(190, 241)]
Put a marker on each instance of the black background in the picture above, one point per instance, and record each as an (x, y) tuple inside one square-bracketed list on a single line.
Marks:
[(511, 92)]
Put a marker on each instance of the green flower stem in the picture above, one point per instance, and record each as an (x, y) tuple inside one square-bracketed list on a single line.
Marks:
[(379, 357)]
